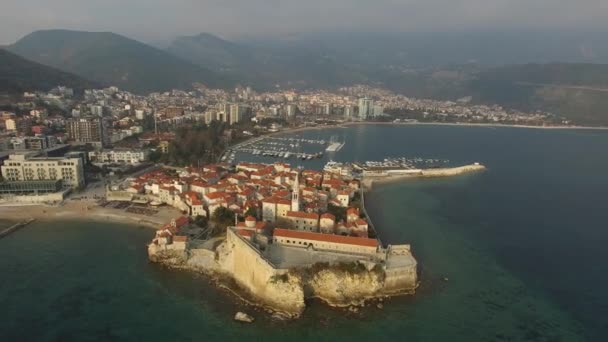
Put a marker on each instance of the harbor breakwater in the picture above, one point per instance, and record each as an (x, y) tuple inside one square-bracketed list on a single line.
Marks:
[(15, 227), (284, 291), (368, 181)]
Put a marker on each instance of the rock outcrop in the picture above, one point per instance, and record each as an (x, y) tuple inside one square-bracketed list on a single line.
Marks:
[(343, 288), (243, 317), (283, 291)]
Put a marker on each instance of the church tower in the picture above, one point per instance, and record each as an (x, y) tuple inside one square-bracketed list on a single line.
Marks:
[(295, 195)]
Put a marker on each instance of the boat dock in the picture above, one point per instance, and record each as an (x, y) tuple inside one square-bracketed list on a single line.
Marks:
[(275, 147), (335, 145), (15, 227)]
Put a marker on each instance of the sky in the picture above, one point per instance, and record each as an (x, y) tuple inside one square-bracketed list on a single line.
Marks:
[(156, 20)]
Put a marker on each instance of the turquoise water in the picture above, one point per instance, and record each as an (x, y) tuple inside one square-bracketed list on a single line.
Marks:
[(521, 247)]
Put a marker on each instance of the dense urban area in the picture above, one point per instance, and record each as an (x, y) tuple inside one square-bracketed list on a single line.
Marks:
[(71, 139)]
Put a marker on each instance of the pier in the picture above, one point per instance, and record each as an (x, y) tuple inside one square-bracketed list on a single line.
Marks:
[(15, 227)]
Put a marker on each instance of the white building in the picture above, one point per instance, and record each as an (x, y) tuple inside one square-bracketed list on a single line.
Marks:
[(348, 112), (139, 114), (290, 110), (119, 156), (24, 167), (366, 106), (236, 113), (10, 124), (378, 110)]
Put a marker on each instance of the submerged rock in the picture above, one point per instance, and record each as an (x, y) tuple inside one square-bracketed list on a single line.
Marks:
[(243, 317), (281, 316)]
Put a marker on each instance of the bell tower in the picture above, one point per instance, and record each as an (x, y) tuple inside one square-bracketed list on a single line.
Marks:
[(295, 194)]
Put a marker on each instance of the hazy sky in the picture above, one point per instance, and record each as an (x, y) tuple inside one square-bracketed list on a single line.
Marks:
[(156, 20)]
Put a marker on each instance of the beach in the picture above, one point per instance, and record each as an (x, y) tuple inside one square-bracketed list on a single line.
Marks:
[(85, 210)]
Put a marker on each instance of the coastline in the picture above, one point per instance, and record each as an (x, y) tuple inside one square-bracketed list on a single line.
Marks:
[(472, 124), (82, 211), (489, 125)]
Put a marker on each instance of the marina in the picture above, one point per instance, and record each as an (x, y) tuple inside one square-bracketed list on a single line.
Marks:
[(279, 148)]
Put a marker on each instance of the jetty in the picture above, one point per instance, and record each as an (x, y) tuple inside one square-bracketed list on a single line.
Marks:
[(15, 227), (385, 175)]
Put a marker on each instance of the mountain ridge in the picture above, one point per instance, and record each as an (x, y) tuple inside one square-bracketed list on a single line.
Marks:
[(113, 59), (18, 74)]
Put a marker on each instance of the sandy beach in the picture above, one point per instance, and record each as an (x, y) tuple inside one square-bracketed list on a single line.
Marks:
[(86, 210)]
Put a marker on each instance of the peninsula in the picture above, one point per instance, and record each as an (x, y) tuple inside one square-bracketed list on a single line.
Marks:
[(297, 234)]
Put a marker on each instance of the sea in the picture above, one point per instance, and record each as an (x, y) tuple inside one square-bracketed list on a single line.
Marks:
[(515, 253)]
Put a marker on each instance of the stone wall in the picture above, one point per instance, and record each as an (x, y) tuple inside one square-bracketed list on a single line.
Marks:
[(273, 287), (285, 290), (54, 197), (400, 280)]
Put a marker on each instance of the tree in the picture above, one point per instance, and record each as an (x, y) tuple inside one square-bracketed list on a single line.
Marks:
[(251, 212), (201, 221), (222, 218), (338, 212)]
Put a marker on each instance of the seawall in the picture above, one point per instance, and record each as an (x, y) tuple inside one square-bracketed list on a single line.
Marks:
[(368, 181), (452, 171), (285, 290)]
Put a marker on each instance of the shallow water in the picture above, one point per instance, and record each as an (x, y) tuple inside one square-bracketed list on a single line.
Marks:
[(521, 247)]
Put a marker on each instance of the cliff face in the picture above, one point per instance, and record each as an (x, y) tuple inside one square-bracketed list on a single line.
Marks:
[(285, 290), (167, 256), (272, 287), (343, 288)]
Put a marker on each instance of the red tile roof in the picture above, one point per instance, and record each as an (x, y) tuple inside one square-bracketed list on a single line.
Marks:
[(181, 221), (328, 216), (352, 211), (301, 214), (284, 202), (361, 222), (346, 240)]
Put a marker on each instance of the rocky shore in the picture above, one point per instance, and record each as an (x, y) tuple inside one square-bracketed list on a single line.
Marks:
[(235, 265)]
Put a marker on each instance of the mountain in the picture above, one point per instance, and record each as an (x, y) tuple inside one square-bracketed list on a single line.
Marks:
[(429, 49), (18, 74), (112, 59), (578, 91), (265, 66), (210, 51)]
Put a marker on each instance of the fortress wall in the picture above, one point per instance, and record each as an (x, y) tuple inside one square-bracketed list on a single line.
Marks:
[(257, 275), (398, 280)]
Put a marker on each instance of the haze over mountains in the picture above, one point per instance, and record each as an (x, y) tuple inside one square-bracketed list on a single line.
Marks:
[(491, 67), (112, 59), (18, 74)]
